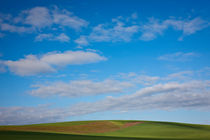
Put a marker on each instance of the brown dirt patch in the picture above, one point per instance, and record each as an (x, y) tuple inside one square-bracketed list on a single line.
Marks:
[(92, 127), (131, 124)]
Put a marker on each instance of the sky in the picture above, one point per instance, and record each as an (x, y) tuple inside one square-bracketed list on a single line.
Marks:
[(104, 60)]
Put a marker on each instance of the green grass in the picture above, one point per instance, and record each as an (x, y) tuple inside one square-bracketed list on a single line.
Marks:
[(164, 130), (147, 130), (18, 135)]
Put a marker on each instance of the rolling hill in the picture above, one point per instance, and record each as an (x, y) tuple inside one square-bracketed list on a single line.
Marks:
[(107, 130)]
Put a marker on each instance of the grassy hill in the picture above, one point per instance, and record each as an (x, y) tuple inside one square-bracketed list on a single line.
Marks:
[(107, 130)]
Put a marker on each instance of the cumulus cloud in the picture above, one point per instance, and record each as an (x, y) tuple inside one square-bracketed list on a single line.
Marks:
[(178, 56), (37, 18), (61, 37), (80, 88), (32, 64)]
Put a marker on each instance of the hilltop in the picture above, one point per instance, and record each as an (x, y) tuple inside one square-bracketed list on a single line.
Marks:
[(107, 129)]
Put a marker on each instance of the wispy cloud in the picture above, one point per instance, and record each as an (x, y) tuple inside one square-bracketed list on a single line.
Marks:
[(29, 115), (67, 19), (61, 37), (190, 95), (78, 88), (123, 29), (156, 27), (162, 95), (118, 32), (179, 56), (33, 64), (82, 41), (120, 29)]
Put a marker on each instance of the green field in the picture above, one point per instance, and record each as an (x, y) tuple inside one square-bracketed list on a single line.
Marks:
[(107, 130)]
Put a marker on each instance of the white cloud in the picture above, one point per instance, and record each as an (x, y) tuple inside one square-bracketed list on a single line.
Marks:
[(66, 18), (183, 75), (15, 28), (163, 95), (30, 115), (151, 29), (145, 79), (156, 27), (38, 17), (178, 56), (72, 58), (32, 64), (191, 95), (61, 37), (82, 41), (119, 30), (80, 88)]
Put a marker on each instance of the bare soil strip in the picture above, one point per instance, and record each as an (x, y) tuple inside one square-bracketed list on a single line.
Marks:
[(92, 127)]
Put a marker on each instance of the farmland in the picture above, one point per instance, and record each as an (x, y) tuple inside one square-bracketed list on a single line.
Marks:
[(107, 130)]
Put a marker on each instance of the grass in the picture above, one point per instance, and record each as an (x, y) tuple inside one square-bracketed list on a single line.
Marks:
[(107, 130)]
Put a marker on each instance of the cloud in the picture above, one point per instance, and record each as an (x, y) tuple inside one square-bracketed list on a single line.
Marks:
[(119, 30), (123, 29), (145, 79), (32, 64), (30, 115), (66, 18), (162, 95), (38, 18), (178, 56), (183, 75), (190, 95), (61, 37), (155, 27), (151, 29), (82, 41), (80, 88), (16, 29), (72, 58)]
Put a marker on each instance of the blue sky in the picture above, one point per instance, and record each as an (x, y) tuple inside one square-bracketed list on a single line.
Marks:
[(88, 59)]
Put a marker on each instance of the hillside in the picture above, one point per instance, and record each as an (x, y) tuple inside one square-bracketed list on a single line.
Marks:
[(85, 130)]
